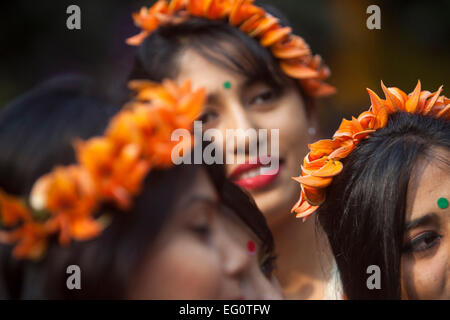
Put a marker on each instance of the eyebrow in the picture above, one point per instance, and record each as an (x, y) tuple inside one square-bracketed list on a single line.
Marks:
[(254, 81), (425, 220), (211, 98)]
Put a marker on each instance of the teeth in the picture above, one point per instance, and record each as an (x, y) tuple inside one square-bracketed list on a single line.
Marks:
[(252, 173)]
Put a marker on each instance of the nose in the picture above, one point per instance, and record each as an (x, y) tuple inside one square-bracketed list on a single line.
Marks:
[(239, 130), (237, 260)]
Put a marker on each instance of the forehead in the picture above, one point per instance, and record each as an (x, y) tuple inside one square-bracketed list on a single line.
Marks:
[(236, 228), (430, 181), (204, 73), (201, 188)]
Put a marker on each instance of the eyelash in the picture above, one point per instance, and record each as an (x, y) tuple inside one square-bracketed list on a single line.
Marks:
[(268, 266), (267, 95), (204, 117), (202, 230), (414, 245)]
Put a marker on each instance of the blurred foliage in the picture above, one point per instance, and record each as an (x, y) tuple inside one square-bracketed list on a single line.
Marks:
[(412, 44)]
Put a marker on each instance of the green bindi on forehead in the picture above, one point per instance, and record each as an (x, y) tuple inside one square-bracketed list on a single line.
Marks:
[(442, 203), (227, 85)]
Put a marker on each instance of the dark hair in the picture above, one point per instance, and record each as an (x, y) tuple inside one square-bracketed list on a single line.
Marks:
[(216, 41), (38, 128), (108, 261), (364, 212)]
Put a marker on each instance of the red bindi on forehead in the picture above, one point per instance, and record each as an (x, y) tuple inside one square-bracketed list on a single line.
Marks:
[(251, 247)]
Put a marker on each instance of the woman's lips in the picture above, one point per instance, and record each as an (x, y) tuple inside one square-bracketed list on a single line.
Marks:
[(250, 176)]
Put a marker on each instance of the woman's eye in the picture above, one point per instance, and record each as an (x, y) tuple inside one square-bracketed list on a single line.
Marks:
[(423, 242), (201, 230), (268, 266), (263, 97), (208, 117)]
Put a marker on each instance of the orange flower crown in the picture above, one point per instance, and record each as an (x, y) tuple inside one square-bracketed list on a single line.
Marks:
[(322, 163), (292, 51), (110, 168)]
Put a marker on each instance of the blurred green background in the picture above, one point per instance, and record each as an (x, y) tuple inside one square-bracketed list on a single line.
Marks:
[(413, 44)]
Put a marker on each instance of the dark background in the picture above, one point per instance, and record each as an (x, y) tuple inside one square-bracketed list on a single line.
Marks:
[(413, 44)]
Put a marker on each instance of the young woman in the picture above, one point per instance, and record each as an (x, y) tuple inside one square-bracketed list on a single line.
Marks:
[(257, 76), (383, 187), (180, 234)]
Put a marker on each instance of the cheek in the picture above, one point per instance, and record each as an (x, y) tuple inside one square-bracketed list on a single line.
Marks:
[(427, 278), (294, 138), (185, 269), (290, 119)]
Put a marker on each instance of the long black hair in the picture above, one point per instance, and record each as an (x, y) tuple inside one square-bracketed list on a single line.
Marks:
[(46, 121), (364, 212)]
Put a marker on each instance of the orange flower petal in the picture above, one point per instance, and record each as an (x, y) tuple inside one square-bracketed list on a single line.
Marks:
[(243, 10), (424, 95), (195, 7), (297, 204), (325, 146), (356, 125), (413, 100), (191, 105), (377, 103), (251, 24), (176, 5), (305, 210), (345, 130), (264, 24), (330, 169), (289, 52), (236, 16), (206, 6), (367, 120), (362, 134), (12, 210), (274, 36), (84, 228), (430, 102), (30, 247), (137, 39), (342, 152), (297, 70), (315, 182), (444, 113), (323, 90), (219, 9), (314, 196), (396, 102), (314, 164), (149, 23), (293, 47)]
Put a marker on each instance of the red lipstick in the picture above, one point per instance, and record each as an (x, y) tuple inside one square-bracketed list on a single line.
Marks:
[(249, 176)]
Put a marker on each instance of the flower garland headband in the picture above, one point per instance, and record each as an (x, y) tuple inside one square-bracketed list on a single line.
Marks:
[(292, 51), (322, 163), (110, 168)]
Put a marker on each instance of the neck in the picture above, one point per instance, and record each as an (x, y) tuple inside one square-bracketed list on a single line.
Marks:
[(304, 259)]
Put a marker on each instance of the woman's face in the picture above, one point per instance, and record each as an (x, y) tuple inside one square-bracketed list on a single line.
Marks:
[(426, 260), (234, 102), (202, 253)]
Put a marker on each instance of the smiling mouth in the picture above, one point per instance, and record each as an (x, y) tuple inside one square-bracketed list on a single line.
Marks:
[(254, 176)]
